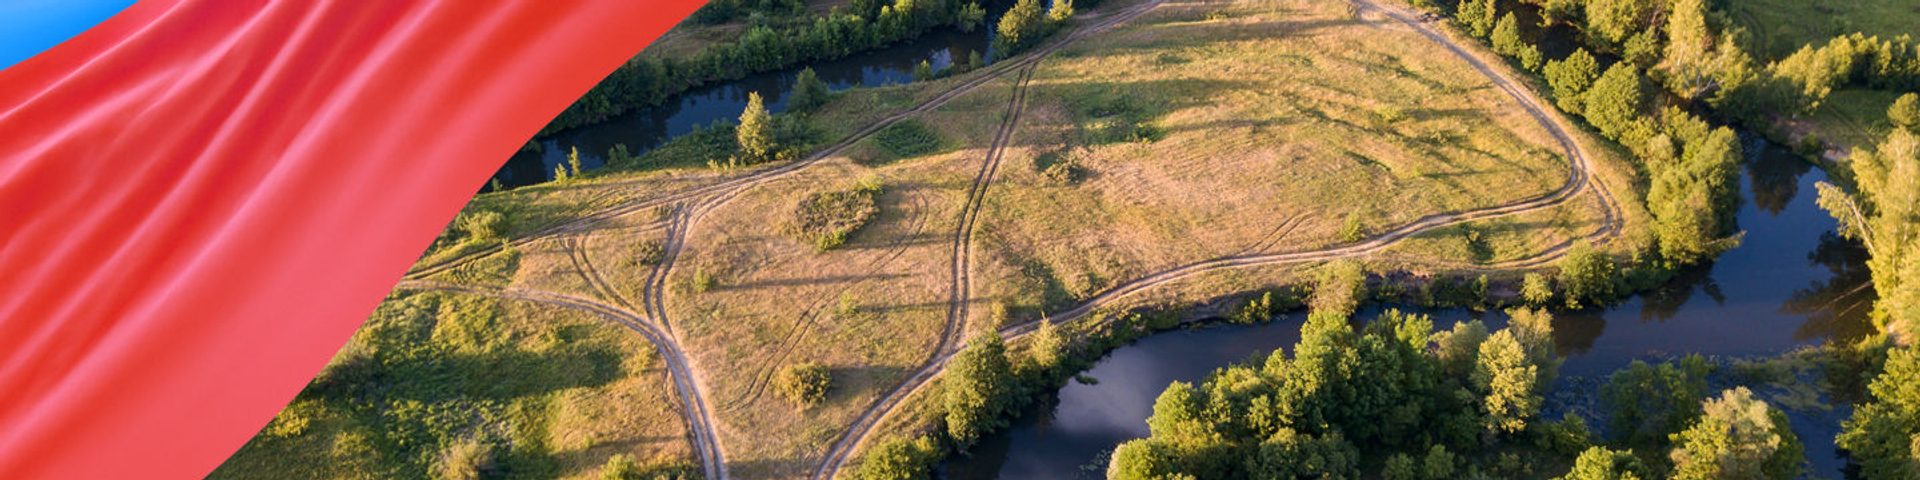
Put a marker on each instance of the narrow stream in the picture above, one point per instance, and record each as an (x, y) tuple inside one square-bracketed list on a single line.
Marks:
[(1791, 283), (643, 129)]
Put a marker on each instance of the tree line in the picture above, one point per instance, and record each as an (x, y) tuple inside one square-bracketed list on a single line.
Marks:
[(862, 25), (1397, 400)]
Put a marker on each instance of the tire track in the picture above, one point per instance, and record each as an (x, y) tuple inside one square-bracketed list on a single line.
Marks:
[(1579, 180), (692, 396)]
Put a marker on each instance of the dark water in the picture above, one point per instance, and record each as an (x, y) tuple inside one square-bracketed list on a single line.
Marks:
[(1791, 283), (646, 128)]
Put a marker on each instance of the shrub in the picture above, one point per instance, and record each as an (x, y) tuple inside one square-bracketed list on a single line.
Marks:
[(805, 384), (1536, 289), (1879, 436), (1738, 437), (1599, 463), (1587, 275), (908, 138), (1570, 79), (1341, 286), (808, 90), (1905, 112), (899, 459), (1649, 402), (826, 219), (484, 225), (465, 460)]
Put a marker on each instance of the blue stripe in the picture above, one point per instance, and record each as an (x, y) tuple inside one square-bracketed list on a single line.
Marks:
[(28, 27)]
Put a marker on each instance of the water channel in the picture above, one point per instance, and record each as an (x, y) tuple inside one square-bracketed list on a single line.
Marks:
[(1791, 283)]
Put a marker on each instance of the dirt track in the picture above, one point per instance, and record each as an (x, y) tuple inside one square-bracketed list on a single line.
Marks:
[(690, 205)]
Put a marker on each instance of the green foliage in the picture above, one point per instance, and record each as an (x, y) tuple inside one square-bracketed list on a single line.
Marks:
[(465, 460), (805, 384), (1459, 349), (1879, 436), (1616, 104), (1737, 437), (1649, 402), (1599, 463), (484, 225), (1352, 230), (1570, 79), (976, 390), (1438, 464), (1400, 467), (1060, 12), (1587, 275), (1021, 27), (573, 162), (1569, 436), (1613, 21), (1342, 284), (1691, 199), (1884, 214), (827, 219), (1047, 347), (1478, 16), (908, 138), (809, 92), (1905, 112), (1289, 455), (1506, 36), (923, 71), (1264, 307), (1142, 459), (899, 459), (1507, 383), (755, 133), (1536, 289), (975, 61), (970, 16), (622, 467)]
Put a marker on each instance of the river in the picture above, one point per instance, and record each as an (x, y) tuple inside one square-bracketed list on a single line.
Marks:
[(1791, 283), (643, 129)]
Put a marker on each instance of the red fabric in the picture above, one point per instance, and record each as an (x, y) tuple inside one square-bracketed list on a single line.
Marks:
[(200, 200)]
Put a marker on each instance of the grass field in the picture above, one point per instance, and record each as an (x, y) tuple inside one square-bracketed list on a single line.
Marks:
[(542, 392), (1847, 118), (1783, 26), (1197, 131)]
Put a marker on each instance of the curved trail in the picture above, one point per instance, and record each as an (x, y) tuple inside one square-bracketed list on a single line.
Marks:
[(692, 397), (1578, 181)]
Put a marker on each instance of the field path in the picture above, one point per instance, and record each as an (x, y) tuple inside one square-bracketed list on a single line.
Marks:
[(1578, 181), (692, 395)]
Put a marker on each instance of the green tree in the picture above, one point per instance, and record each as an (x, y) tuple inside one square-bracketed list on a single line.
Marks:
[(805, 384), (977, 388), (1884, 214), (1691, 199), (1341, 286), (1570, 79), (1587, 275), (573, 162), (1507, 383), (1536, 289), (1459, 348), (1737, 438), (1617, 103), (1905, 112), (1533, 328), (1289, 455), (1141, 459), (1439, 464), (809, 91), (1613, 21), (484, 225), (1047, 347), (1060, 12), (923, 71), (1400, 467), (1599, 463), (1506, 36), (755, 133), (1649, 402), (970, 16), (1880, 435), (1019, 28), (899, 459), (1477, 16), (974, 61), (620, 467)]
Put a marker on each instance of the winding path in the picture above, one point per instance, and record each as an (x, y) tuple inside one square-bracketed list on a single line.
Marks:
[(688, 206), (1580, 180)]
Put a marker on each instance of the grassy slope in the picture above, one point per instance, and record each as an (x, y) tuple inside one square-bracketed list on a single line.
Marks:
[(565, 390)]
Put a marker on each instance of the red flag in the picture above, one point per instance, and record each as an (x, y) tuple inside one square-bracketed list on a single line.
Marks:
[(200, 200)]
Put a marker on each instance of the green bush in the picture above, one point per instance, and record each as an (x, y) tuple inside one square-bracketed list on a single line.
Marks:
[(1587, 275), (899, 459), (907, 139), (805, 384), (484, 225), (826, 219)]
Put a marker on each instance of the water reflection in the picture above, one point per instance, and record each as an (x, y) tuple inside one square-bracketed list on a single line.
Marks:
[(1791, 282), (646, 128)]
